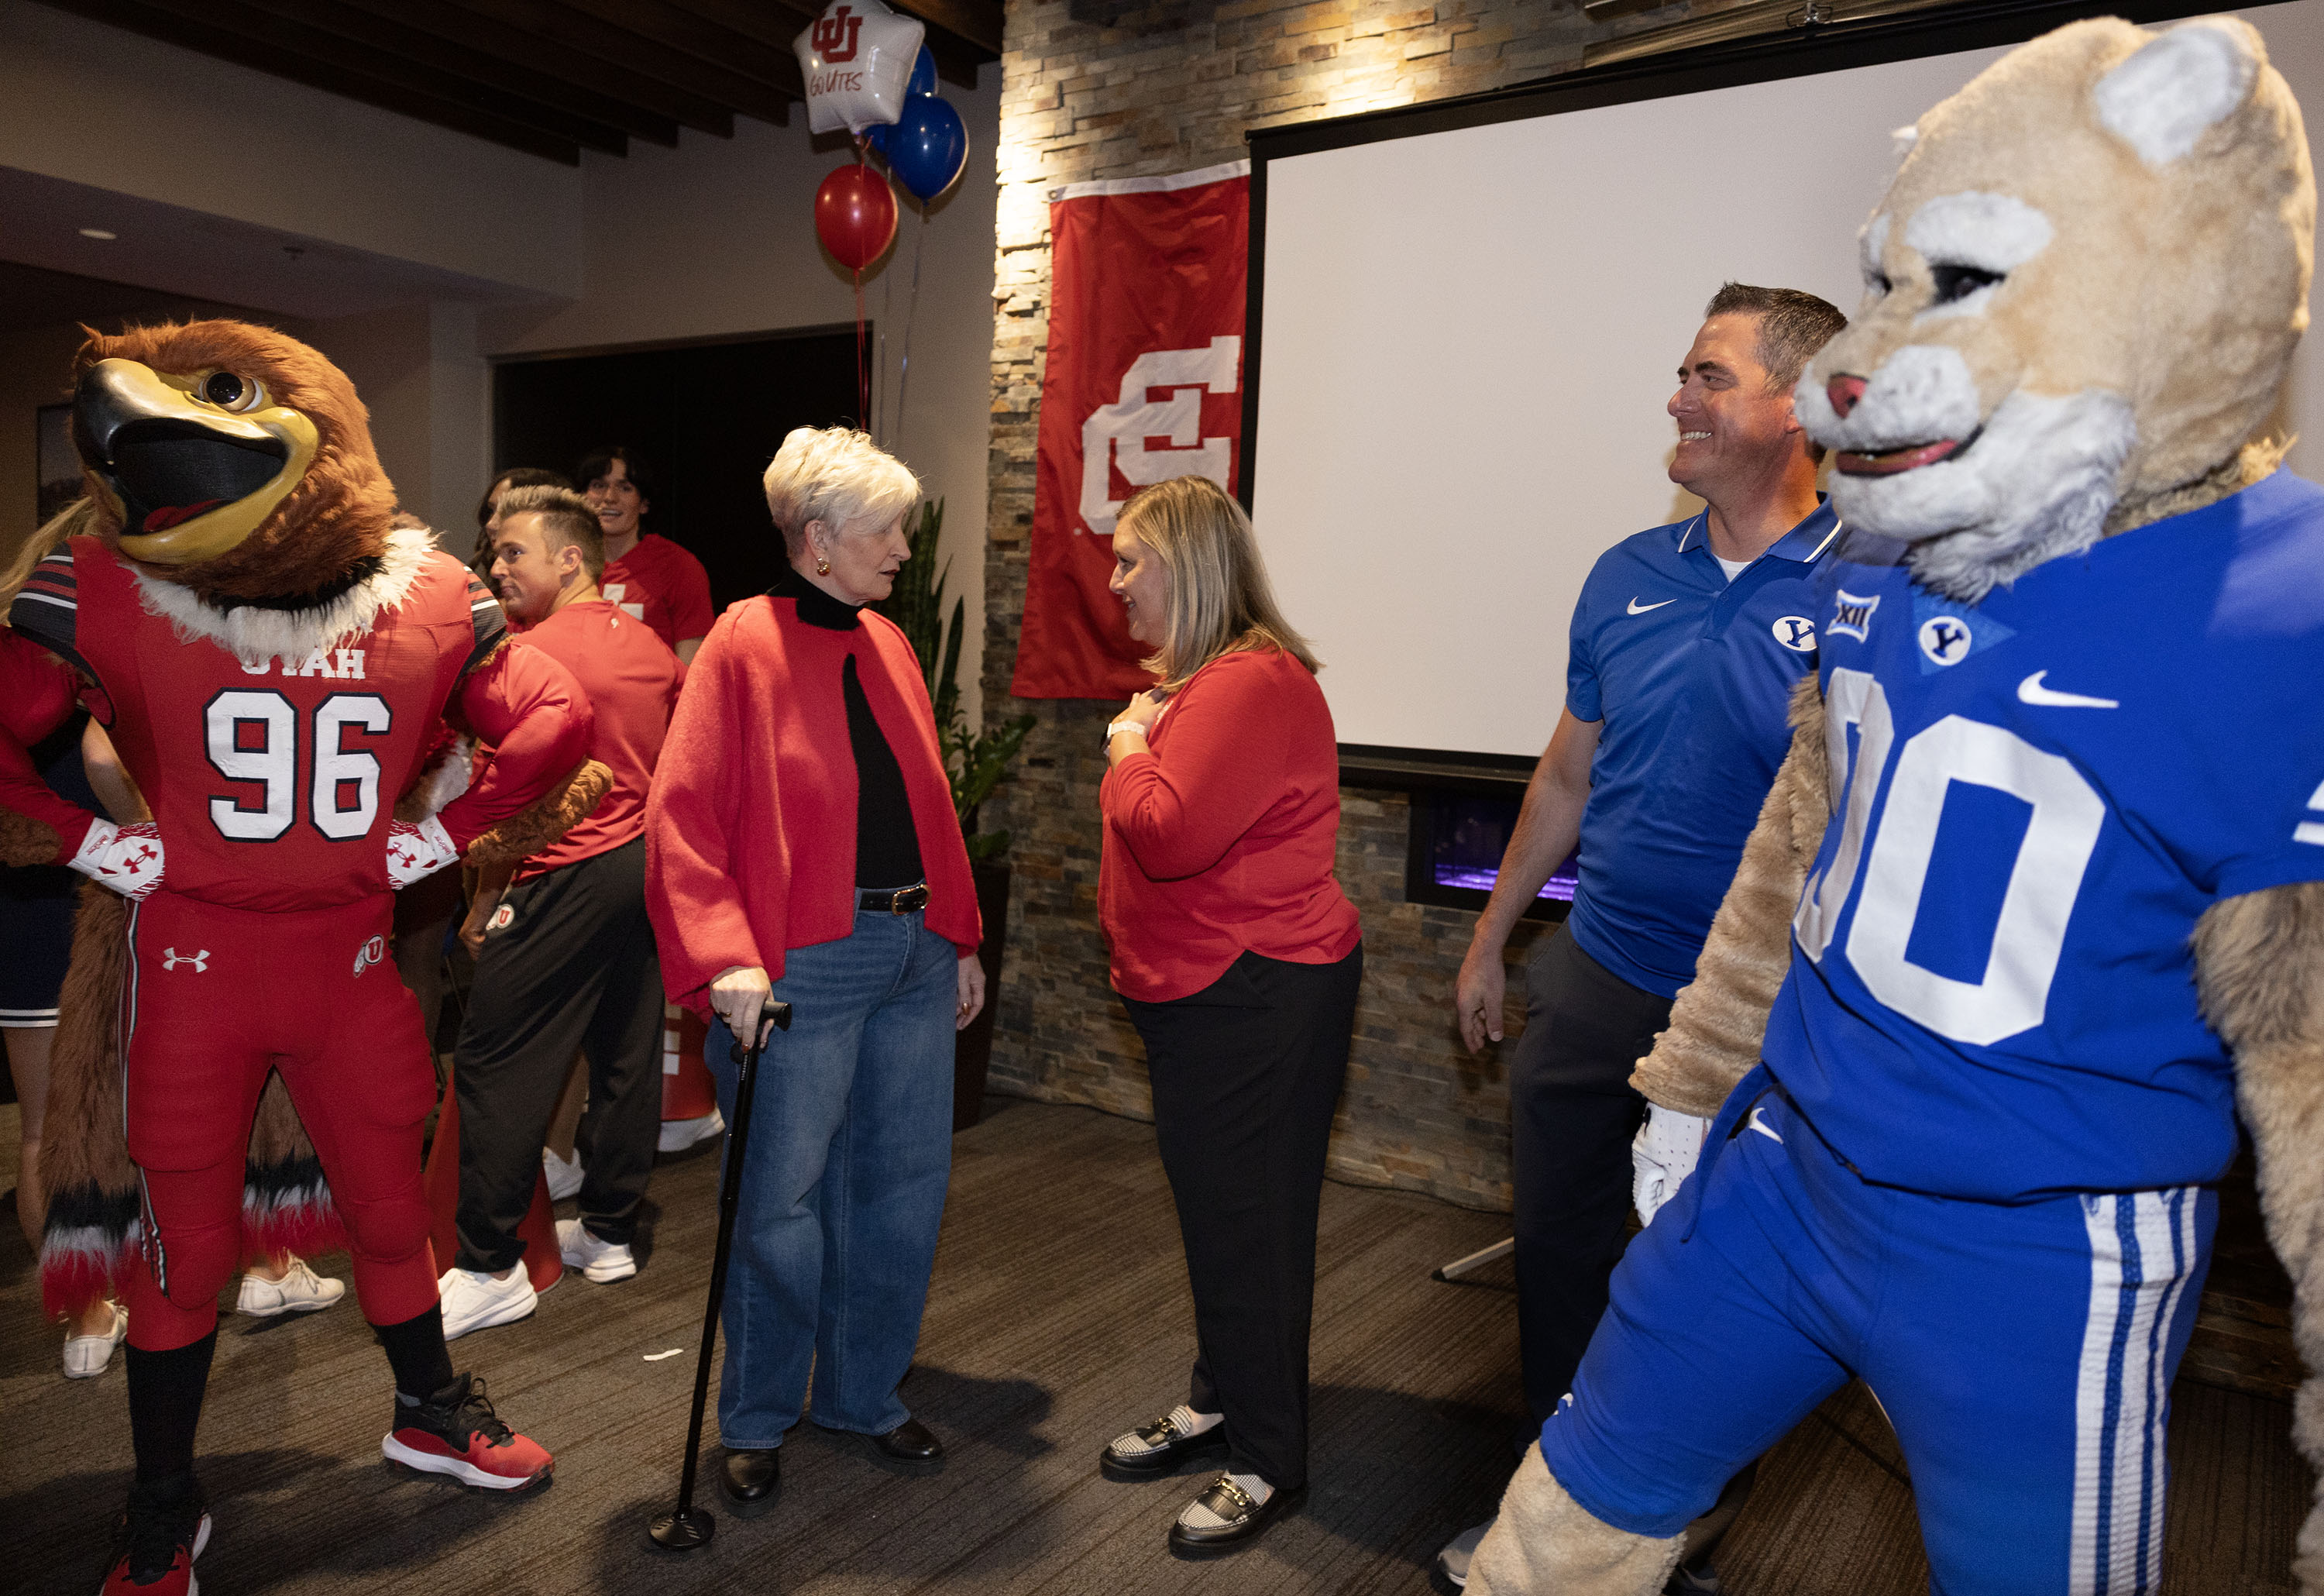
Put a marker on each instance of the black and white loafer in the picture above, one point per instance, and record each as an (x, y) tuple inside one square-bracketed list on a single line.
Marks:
[(1159, 1447), (1224, 1519)]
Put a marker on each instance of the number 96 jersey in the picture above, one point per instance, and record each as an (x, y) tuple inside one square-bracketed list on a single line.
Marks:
[(273, 780), (1991, 993)]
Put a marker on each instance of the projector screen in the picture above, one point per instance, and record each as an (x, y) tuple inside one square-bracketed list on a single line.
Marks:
[(1467, 336)]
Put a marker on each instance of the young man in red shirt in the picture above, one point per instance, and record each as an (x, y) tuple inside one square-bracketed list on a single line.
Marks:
[(646, 576), (564, 955)]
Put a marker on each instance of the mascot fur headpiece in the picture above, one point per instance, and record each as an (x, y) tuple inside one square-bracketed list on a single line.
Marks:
[(233, 466), (2148, 199)]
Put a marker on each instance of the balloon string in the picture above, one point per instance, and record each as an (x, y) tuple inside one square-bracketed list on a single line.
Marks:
[(911, 314), (863, 368)]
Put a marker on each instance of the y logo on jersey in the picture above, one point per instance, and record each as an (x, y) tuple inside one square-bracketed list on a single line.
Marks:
[(1949, 633), (373, 952), (1795, 632), (172, 958), (1852, 616)]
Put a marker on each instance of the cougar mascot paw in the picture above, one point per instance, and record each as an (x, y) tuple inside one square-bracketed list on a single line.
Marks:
[(2038, 894), (273, 658)]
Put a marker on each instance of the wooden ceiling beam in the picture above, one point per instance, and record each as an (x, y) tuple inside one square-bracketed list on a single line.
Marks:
[(777, 23), (976, 22), (608, 32), (469, 26), (703, 41), (205, 38), (506, 82)]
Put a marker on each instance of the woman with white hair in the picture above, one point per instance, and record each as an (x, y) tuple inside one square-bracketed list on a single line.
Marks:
[(1238, 958), (801, 842)]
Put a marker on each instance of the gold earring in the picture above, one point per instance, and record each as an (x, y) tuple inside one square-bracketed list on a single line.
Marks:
[(822, 567)]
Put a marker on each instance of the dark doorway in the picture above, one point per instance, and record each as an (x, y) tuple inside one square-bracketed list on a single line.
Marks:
[(708, 416)]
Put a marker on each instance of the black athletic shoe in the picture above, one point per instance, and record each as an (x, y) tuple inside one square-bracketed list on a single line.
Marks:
[(161, 1532), (455, 1433)]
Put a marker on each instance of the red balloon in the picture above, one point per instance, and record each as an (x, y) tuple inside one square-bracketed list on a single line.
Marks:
[(855, 215)]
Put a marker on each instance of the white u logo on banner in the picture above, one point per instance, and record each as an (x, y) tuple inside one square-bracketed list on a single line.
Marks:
[(1116, 434)]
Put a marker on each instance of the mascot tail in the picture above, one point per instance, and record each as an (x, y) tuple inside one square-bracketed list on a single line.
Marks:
[(94, 1229)]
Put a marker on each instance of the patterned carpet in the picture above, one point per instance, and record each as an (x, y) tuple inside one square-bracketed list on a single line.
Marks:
[(1059, 1316)]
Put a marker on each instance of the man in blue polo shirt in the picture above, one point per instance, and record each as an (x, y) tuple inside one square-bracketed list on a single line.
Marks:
[(1685, 645)]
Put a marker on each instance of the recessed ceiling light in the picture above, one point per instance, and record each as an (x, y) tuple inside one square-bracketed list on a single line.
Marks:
[(98, 233)]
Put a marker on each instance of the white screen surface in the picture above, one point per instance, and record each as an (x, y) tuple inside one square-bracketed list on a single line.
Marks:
[(1469, 337)]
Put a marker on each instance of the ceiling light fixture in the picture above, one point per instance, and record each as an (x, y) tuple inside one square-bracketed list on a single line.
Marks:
[(98, 233)]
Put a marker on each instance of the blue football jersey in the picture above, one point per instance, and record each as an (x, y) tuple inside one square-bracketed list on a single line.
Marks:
[(1992, 993)]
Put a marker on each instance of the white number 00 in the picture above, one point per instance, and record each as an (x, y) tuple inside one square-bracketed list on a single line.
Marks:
[(274, 762), (2029, 932)]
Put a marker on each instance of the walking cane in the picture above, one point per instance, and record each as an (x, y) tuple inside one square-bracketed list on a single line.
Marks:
[(690, 1526)]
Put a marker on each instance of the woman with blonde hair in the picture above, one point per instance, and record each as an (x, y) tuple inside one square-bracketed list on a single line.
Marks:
[(1239, 959), (801, 842)]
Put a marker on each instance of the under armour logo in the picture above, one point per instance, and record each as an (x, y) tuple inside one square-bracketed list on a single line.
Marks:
[(172, 958), (373, 952), (834, 36), (134, 864)]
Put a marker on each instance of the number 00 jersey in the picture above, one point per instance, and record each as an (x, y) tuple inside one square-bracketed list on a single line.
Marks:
[(1992, 993), (272, 782)]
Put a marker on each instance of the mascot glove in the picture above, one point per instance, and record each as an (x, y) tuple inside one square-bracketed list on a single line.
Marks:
[(414, 851), (1663, 1154), (126, 858)]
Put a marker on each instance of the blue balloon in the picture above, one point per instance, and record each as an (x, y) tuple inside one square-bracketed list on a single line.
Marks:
[(923, 80), (927, 147)]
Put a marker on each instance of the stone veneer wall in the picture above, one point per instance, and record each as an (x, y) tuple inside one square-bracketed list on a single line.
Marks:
[(1115, 88)]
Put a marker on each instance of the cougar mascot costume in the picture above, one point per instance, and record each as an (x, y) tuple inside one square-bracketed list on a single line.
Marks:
[(274, 660), (2039, 893)]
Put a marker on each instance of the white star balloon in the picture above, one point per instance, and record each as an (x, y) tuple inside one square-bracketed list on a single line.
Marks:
[(857, 60)]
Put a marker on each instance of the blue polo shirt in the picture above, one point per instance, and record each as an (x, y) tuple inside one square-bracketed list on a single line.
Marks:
[(1690, 674)]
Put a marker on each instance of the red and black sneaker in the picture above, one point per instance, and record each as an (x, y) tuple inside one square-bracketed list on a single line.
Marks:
[(160, 1535), (455, 1433)]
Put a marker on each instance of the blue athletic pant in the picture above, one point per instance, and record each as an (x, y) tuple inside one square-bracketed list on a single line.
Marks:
[(2023, 1353)]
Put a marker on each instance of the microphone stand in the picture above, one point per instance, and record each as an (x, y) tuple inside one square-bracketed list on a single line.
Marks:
[(689, 1527)]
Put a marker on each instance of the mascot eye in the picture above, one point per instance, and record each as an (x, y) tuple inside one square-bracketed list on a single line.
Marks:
[(229, 392), (1955, 283), (1876, 284)]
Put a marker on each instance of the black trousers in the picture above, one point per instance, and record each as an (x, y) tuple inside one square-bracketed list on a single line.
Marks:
[(572, 967), (1572, 1114), (1246, 1074)]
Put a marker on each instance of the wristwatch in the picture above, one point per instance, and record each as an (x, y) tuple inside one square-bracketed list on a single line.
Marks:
[(1119, 727)]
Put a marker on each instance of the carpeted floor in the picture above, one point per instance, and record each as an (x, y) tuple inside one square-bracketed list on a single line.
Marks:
[(1059, 1316)]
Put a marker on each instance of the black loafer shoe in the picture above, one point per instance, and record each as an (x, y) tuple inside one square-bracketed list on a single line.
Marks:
[(1244, 1520), (1167, 1448), (911, 1444), (750, 1479)]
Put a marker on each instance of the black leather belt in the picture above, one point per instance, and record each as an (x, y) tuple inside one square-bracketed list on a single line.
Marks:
[(903, 901)]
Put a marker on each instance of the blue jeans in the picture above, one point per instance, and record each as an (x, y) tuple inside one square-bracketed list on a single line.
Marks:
[(844, 1177)]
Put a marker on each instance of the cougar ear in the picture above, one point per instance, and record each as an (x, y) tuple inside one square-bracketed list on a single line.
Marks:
[(2162, 99)]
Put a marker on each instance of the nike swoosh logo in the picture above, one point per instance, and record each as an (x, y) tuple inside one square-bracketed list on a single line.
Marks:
[(1639, 609), (2032, 691), (1755, 1123)]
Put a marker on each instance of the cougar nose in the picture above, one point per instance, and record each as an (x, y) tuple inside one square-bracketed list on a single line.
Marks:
[(1844, 391)]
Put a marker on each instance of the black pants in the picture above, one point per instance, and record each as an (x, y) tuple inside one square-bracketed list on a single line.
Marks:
[(572, 967), (1573, 1113), (1246, 1073)]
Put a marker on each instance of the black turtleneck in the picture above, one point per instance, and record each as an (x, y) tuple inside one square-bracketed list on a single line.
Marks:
[(887, 847)]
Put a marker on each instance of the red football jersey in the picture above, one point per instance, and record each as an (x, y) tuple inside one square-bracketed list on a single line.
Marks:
[(663, 585), (631, 680), (272, 782)]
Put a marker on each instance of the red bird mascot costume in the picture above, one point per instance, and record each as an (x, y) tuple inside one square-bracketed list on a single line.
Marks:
[(274, 660)]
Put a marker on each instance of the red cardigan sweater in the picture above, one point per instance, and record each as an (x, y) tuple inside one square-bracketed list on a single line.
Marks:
[(1219, 841), (750, 824)]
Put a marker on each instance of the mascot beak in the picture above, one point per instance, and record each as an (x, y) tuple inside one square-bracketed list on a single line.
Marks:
[(192, 465)]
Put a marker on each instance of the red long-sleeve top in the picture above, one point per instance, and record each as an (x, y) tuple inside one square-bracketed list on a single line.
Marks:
[(1219, 839), (750, 824)]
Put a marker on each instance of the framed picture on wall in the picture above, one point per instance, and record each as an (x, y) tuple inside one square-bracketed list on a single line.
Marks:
[(58, 482)]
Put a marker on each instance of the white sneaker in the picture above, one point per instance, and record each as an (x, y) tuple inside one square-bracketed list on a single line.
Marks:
[(473, 1300), (299, 1291), (1452, 1562), (678, 1135), (599, 1260), (564, 1177), (86, 1356)]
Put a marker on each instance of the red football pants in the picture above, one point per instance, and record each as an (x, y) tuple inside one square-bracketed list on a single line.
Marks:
[(216, 999)]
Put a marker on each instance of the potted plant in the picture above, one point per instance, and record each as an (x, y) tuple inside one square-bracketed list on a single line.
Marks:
[(977, 761)]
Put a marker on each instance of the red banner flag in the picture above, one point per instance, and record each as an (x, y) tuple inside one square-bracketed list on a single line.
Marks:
[(1144, 384)]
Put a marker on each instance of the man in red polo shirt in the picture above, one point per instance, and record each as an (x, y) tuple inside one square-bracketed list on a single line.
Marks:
[(565, 958), (647, 576)]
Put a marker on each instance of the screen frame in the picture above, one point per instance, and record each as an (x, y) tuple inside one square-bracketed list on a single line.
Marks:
[(1797, 52)]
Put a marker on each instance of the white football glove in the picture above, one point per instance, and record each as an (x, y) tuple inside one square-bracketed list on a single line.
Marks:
[(416, 851), (1662, 1154), (126, 858)]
